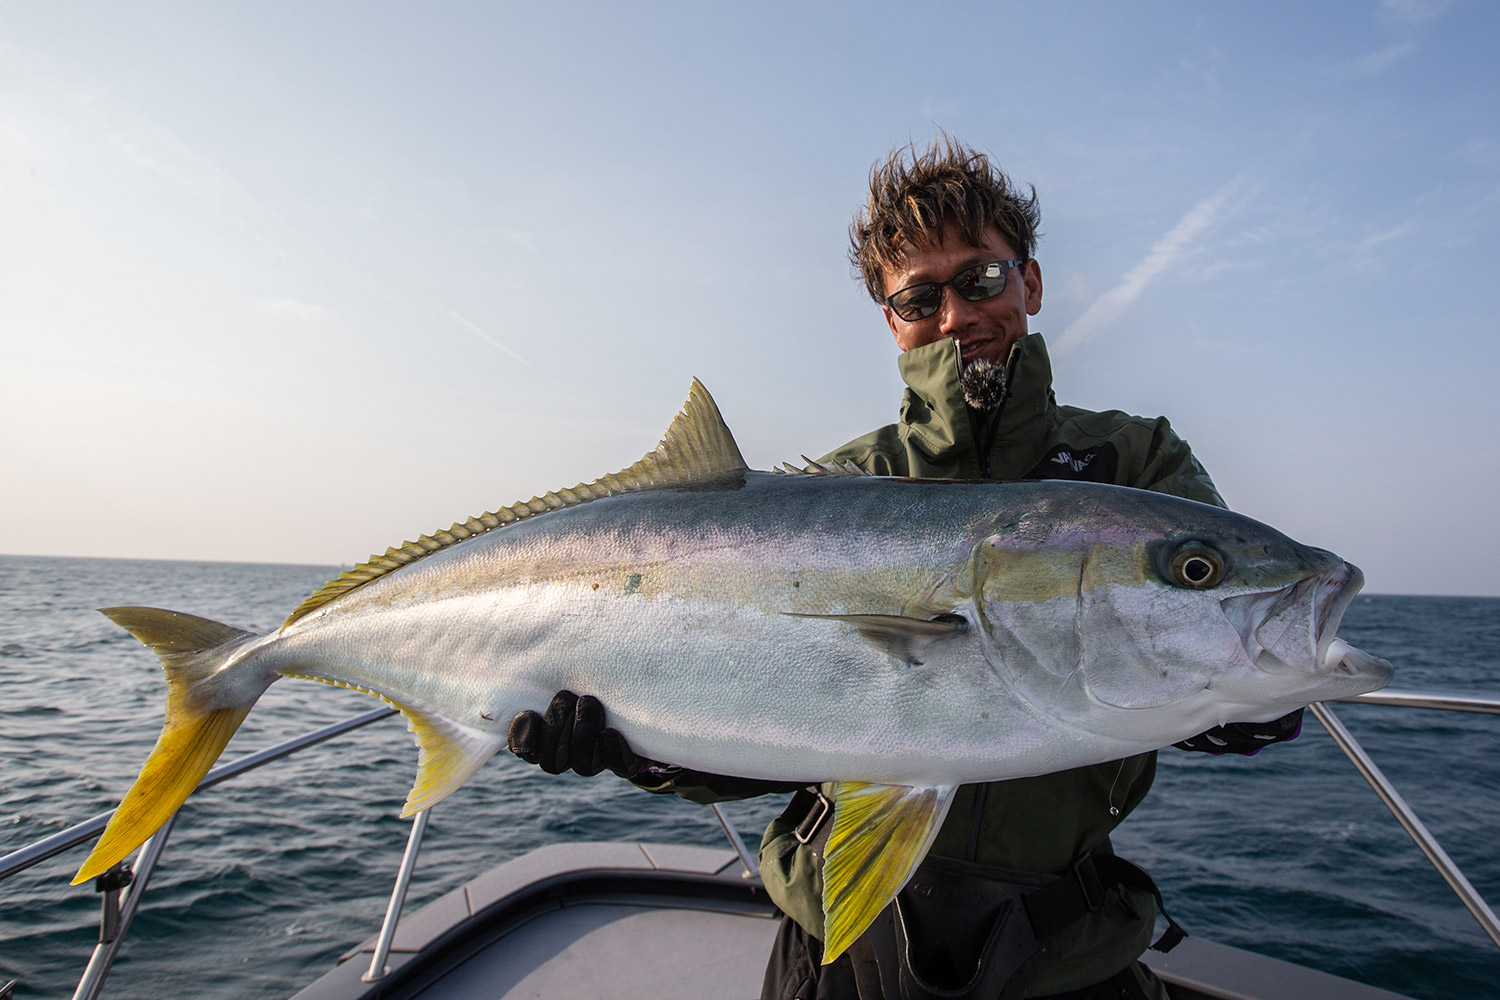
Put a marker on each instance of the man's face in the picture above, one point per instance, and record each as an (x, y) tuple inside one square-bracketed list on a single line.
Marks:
[(984, 329)]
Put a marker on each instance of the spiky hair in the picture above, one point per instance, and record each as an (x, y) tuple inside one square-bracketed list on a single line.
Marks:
[(912, 193)]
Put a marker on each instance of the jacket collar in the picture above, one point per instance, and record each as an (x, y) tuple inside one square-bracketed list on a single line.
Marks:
[(946, 436)]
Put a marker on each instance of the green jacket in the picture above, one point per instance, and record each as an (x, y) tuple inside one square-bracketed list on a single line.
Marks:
[(1039, 824)]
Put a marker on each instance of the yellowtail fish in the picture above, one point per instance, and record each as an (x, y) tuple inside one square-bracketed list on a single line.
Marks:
[(899, 637)]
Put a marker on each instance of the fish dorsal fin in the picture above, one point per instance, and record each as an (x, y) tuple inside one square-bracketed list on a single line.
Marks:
[(880, 835), (845, 469), (696, 446)]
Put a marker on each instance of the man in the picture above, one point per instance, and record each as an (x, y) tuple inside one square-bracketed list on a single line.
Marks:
[(945, 245)]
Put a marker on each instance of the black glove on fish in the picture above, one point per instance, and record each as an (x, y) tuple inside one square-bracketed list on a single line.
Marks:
[(1245, 738), (572, 737)]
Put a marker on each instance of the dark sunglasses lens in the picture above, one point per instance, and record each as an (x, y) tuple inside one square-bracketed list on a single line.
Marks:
[(980, 283), (912, 304)]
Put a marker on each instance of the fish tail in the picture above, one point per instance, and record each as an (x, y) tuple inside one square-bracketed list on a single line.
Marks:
[(207, 699)]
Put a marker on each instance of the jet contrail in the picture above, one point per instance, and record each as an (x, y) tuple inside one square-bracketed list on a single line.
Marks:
[(475, 329), (1164, 253)]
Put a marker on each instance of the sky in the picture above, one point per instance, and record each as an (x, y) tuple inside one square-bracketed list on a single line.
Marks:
[(292, 282)]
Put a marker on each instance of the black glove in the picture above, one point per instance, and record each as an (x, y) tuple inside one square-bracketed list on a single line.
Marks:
[(572, 736), (1245, 738)]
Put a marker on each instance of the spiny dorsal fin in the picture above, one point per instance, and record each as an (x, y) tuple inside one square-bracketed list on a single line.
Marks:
[(697, 445), (813, 468)]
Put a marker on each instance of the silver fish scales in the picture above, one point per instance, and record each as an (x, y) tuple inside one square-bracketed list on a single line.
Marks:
[(899, 637)]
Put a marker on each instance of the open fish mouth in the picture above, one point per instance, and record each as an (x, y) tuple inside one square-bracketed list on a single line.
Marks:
[(1294, 629)]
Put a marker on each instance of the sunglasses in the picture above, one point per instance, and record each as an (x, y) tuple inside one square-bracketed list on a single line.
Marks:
[(973, 284)]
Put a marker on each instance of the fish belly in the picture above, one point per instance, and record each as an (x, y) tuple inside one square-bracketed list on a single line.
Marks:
[(723, 689)]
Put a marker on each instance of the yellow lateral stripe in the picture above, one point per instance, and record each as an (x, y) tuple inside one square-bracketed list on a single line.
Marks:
[(697, 445)]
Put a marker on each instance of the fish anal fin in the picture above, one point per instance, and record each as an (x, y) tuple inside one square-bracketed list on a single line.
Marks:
[(448, 755), (903, 637), (697, 445), (880, 835)]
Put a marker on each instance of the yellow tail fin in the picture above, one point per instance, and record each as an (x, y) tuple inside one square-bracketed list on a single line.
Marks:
[(204, 708)]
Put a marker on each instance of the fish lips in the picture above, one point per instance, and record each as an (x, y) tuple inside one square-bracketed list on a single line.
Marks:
[(1294, 629)]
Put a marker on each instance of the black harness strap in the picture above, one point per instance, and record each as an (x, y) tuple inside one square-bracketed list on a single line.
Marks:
[(963, 930), (1115, 870), (953, 933)]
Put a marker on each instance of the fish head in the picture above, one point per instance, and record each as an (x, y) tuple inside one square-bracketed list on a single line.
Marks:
[(1153, 619)]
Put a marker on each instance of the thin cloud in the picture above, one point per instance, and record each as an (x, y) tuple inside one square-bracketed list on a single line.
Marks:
[(154, 148), (1166, 252), (307, 312), (1377, 62), (1373, 242), (475, 329), (1412, 11)]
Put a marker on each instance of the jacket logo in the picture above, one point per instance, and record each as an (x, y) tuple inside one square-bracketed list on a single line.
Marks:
[(1076, 464), (1098, 464)]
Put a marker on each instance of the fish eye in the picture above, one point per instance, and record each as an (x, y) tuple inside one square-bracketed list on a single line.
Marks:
[(1196, 566)]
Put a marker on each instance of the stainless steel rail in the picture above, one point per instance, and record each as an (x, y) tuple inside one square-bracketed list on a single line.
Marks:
[(752, 870), (117, 911), (112, 931), (377, 968), (1397, 805), (41, 850), (1422, 699)]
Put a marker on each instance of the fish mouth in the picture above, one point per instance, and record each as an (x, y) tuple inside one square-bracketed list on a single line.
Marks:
[(1294, 629)]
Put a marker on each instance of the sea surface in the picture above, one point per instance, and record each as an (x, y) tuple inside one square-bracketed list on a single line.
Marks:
[(268, 878)]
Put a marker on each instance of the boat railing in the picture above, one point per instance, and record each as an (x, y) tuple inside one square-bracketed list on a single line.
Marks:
[(122, 887), (1397, 805)]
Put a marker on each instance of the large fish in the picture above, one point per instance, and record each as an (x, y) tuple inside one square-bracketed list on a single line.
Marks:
[(899, 637)]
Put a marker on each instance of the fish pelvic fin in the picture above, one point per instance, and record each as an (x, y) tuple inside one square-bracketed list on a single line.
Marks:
[(880, 835), (697, 445), (204, 708)]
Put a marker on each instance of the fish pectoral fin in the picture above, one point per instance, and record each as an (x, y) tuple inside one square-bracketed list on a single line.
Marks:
[(903, 637), (448, 755), (880, 835)]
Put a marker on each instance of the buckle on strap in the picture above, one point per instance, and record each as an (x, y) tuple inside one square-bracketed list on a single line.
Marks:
[(1076, 892), (817, 814), (1088, 882)]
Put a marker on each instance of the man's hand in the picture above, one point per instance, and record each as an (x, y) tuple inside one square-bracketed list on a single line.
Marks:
[(572, 737), (1245, 738)]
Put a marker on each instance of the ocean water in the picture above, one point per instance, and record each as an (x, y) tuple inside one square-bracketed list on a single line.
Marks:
[(268, 878)]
